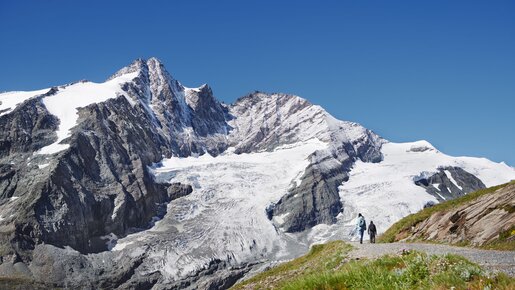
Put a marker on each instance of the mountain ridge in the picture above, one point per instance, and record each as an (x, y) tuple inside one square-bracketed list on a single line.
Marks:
[(481, 219)]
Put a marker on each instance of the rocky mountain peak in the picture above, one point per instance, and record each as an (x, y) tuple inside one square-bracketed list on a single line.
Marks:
[(154, 62), (150, 69), (201, 96), (136, 66), (204, 86), (153, 84), (159, 76)]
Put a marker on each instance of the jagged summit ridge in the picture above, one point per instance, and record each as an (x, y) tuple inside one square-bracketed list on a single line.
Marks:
[(155, 73), (194, 113), (141, 65)]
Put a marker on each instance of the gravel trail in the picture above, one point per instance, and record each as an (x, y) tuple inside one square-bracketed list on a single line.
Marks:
[(488, 259)]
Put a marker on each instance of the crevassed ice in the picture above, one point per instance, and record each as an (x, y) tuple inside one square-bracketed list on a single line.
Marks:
[(225, 212)]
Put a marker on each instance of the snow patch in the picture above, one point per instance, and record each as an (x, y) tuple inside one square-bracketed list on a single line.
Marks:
[(10, 100), (118, 202), (449, 175), (424, 175), (280, 218), (65, 102), (41, 166), (110, 240), (438, 191), (120, 246)]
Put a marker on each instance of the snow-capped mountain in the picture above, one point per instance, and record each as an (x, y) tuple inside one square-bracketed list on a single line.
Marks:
[(142, 182)]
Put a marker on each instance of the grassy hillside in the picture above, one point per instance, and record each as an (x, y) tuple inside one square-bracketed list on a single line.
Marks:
[(320, 259), (401, 229), (327, 267)]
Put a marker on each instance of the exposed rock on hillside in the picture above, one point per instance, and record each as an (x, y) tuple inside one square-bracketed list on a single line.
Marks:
[(449, 182), (478, 222)]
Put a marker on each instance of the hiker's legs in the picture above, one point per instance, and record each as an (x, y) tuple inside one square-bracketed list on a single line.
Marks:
[(372, 239), (361, 232)]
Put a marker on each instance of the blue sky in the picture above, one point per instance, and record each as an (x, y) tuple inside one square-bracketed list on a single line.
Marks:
[(443, 71)]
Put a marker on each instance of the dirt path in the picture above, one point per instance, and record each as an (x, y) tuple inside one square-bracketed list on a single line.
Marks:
[(488, 259)]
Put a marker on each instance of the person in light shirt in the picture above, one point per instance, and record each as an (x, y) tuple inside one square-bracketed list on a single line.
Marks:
[(361, 226)]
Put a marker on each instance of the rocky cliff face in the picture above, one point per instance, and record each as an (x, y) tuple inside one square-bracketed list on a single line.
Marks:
[(141, 182), (450, 182), (478, 222), (28, 128), (99, 185), (192, 121)]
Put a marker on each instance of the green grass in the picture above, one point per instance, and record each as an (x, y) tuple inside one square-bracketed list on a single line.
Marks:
[(320, 259), (506, 241), (401, 229), (412, 270)]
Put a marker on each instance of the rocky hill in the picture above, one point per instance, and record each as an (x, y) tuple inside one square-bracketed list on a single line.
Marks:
[(485, 218)]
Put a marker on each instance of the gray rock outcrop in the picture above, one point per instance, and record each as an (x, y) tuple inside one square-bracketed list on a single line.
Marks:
[(449, 183), (477, 222)]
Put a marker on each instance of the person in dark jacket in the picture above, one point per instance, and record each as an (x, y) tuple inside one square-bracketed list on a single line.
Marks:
[(372, 231)]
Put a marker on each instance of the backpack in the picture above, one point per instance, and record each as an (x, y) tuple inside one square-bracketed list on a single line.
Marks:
[(362, 224)]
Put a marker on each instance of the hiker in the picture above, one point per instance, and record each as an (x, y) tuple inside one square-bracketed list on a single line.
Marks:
[(361, 226), (372, 231)]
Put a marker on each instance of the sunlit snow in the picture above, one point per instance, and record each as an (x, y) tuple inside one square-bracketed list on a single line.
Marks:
[(9, 100), (41, 166), (385, 192), (449, 175), (65, 102)]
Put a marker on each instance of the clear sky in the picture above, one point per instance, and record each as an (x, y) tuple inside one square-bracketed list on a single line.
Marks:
[(443, 71)]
